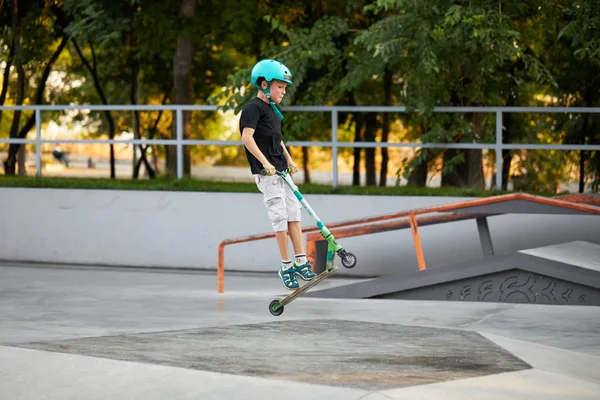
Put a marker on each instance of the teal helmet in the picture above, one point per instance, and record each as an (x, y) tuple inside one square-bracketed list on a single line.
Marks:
[(270, 70)]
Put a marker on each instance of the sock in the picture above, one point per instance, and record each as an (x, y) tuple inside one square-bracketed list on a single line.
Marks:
[(301, 259), (287, 264)]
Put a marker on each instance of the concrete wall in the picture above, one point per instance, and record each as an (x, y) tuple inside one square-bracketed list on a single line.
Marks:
[(183, 229)]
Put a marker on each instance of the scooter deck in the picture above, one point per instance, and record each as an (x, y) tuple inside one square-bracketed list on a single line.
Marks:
[(312, 283)]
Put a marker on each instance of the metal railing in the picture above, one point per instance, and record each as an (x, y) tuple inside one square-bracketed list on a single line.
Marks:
[(334, 143), (413, 219)]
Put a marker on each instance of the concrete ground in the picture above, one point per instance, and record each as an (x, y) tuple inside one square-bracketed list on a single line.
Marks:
[(110, 333)]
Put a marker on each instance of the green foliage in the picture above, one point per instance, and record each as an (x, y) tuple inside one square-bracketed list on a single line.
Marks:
[(446, 51), (583, 29), (440, 53), (102, 22), (453, 54), (315, 60), (303, 49)]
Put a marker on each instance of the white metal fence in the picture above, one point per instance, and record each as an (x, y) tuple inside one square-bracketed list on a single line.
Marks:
[(334, 143)]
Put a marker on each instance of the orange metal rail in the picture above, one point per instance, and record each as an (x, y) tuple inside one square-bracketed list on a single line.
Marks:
[(417, 239), (313, 238), (412, 221), (483, 201)]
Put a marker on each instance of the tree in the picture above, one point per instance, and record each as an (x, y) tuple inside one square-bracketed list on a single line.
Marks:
[(121, 44), (317, 45), (34, 37), (450, 54), (183, 80), (315, 60), (582, 30)]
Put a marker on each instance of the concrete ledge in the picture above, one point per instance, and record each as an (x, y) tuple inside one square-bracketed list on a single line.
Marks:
[(184, 229)]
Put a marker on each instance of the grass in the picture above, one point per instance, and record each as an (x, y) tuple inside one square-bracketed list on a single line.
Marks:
[(193, 185)]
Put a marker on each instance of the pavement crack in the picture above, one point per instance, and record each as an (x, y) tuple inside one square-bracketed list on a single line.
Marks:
[(365, 396), (491, 314)]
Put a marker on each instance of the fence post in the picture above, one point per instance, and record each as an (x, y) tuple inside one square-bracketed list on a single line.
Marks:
[(334, 147), (499, 150), (179, 144), (38, 143)]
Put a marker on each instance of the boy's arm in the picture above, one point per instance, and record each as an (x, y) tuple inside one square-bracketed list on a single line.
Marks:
[(250, 143), (288, 158)]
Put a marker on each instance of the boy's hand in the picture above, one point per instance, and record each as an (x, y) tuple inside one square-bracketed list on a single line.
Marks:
[(270, 168), (293, 166)]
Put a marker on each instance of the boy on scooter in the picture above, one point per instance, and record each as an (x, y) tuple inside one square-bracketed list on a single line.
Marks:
[(260, 127)]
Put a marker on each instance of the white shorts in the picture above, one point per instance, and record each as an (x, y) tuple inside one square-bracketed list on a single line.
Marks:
[(282, 205)]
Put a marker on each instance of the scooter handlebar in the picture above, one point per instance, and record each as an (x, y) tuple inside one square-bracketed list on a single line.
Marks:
[(287, 171)]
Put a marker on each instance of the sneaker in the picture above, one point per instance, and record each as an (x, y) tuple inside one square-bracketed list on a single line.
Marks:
[(304, 271), (288, 278)]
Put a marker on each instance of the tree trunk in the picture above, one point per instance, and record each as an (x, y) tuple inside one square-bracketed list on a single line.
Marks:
[(305, 164), (370, 130), (418, 175), (469, 173), (583, 135), (385, 129), (133, 98), (583, 153), (358, 134), (184, 90), (507, 126), (358, 126), (135, 76), (151, 167), (22, 160), (93, 68), (10, 162), (6, 76), (10, 167)]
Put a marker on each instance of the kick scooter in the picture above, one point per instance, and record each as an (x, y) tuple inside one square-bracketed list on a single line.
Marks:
[(348, 259)]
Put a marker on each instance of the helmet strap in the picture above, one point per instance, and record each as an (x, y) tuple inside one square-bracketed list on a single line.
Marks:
[(279, 114), (267, 93)]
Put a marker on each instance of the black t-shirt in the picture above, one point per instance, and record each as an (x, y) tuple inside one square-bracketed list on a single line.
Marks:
[(261, 117)]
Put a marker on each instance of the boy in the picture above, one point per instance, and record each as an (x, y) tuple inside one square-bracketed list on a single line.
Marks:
[(260, 126)]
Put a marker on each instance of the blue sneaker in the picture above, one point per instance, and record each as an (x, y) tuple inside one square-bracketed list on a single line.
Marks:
[(288, 278), (304, 271)]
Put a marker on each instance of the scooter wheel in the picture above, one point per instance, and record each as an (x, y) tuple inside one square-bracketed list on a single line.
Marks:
[(349, 260), (275, 311)]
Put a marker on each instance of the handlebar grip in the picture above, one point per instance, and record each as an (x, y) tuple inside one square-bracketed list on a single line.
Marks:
[(287, 171)]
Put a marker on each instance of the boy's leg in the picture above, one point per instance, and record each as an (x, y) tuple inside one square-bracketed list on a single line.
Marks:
[(295, 230), (282, 243), (274, 199), (301, 264), (287, 271)]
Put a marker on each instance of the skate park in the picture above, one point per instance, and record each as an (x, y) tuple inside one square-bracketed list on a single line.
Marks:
[(113, 321), (442, 143)]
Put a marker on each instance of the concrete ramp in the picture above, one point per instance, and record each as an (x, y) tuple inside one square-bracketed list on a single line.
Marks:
[(565, 274)]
